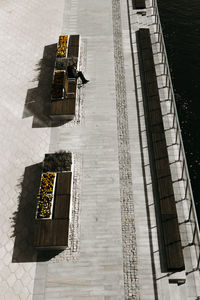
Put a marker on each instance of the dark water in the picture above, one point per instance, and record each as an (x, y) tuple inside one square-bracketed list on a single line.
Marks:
[(181, 27)]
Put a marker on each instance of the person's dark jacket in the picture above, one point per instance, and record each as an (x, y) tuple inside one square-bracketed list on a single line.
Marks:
[(72, 72)]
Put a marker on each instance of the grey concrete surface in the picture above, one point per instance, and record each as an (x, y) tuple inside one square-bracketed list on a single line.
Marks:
[(114, 252), (26, 29)]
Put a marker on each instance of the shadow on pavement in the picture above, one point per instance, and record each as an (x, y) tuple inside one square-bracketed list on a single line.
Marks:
[(37, 103), (23, 220)]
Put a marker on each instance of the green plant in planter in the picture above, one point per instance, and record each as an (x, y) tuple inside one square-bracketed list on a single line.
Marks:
[(57, 162)]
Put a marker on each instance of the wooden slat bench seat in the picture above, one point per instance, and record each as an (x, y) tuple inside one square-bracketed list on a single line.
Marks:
[(168, 208), (73, 48), (159, 150), (63, 194), (53, 233), (57, 91), (138, 4), (62, 206), (161, 170), (63, 185), (64, 95), (63, 109), (162, 180), (72, 87)]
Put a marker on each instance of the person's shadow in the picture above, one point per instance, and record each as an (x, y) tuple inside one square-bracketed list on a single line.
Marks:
[(37, 103)]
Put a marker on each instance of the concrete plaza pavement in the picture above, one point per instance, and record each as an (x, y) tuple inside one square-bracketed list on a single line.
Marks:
[(109, 257)]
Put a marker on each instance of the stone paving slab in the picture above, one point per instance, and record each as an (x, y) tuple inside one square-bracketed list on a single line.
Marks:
[(98, 271), (26, 28), (114, 254), (163, 289)]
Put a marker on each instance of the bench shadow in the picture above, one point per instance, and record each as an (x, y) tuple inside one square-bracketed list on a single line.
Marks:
[(160, 236), (37, 103), (23, 220)]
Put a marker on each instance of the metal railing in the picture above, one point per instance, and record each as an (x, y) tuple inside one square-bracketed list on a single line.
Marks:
[(185, 177)]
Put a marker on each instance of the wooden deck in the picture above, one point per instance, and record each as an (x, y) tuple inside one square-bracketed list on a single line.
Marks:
[(162, 180)]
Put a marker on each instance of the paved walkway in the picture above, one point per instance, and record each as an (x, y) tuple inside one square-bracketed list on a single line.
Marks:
[(26, 28), (113, 254)]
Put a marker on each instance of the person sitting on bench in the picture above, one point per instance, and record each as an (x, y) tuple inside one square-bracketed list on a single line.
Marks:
[(74, 73)]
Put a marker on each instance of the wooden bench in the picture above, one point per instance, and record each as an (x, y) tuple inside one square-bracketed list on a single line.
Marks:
[(57, 91), (74, 48), (52, 232), (138, 4), (162, 180), (64, 108)]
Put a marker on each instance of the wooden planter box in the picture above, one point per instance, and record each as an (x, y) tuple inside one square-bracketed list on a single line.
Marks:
[(64, 94), (52, 233), (62, 46), (45, 198)]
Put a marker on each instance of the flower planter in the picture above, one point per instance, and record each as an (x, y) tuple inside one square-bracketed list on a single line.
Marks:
[(62, 46), (54, 207), (45, 197)]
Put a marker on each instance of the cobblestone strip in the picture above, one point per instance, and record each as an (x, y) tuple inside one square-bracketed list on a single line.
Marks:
[(126, 191)]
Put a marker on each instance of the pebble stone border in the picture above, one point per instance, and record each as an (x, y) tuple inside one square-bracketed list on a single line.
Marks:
[(131, 284), (80, 112), (71, 253)]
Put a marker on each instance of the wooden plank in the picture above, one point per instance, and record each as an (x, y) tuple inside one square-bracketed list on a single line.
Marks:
[(168, 208), (62, 207), (157, 136), (163, 181), (146, 54), (69, 107), (145, 41), (139, 4), (72, 85), (162, 167), (165, 189), (73, 48), (157, 128), (66, 84), (150, 76), (63, 107), (155, 117), (171, 230), (174, 254), (152, 89), (60, 232), (160, 150), (144, 35), (153, 102), (148, 65), (63, 184), (51, 233)]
